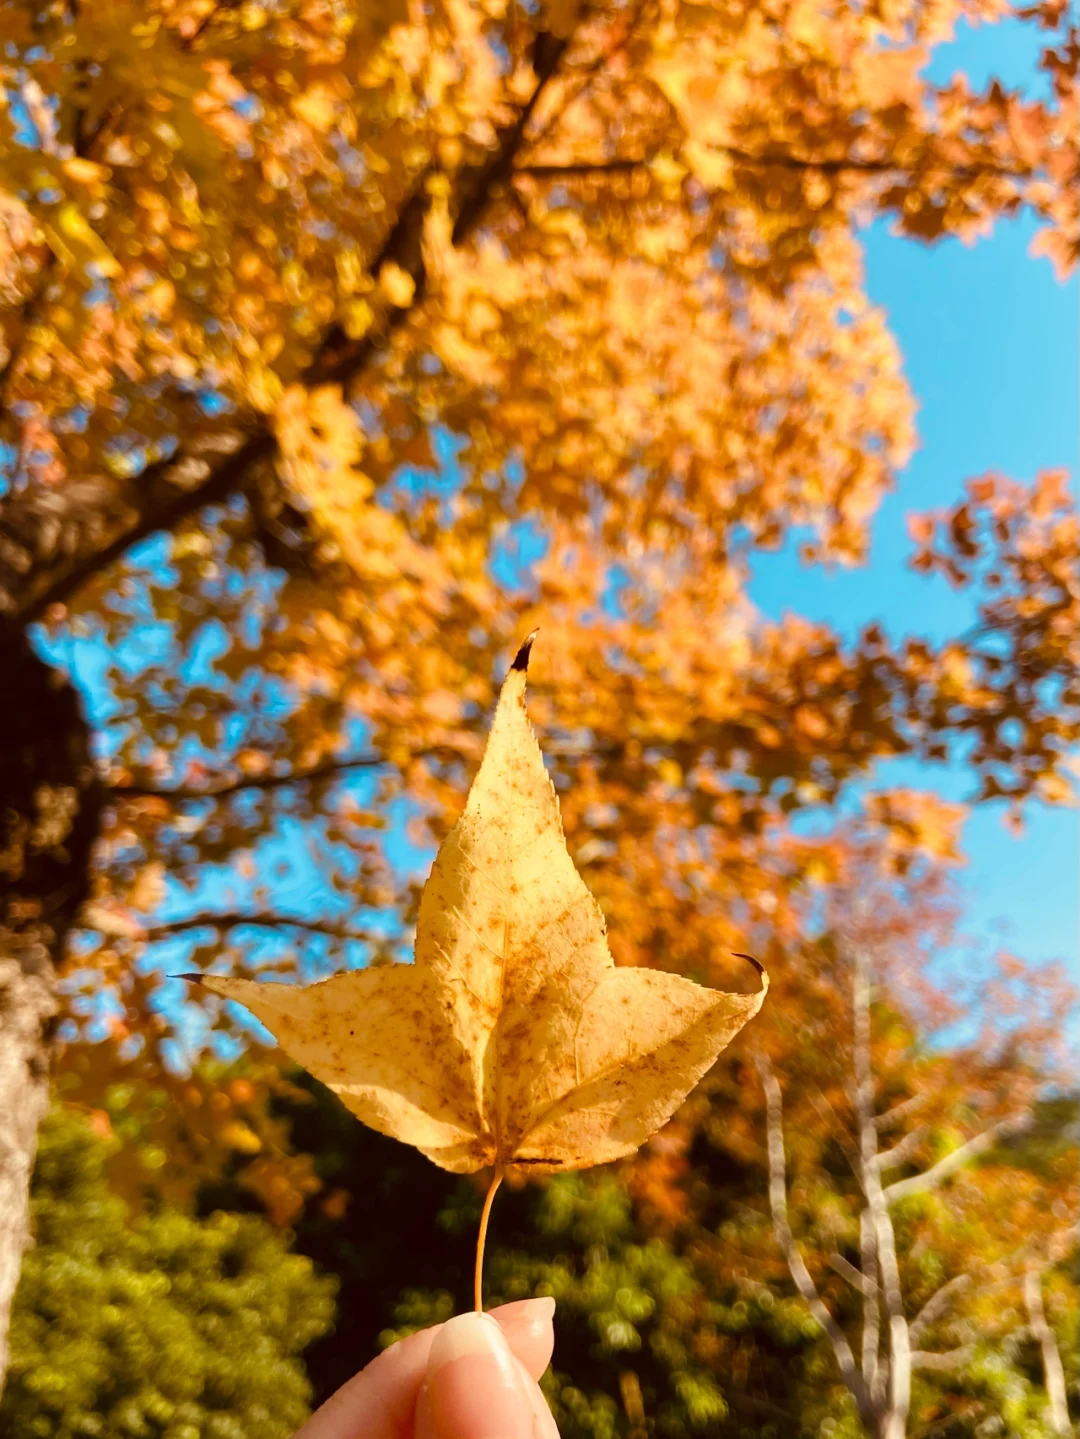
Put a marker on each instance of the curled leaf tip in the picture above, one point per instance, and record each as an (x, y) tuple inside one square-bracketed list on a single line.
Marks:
[(736, 954), (521, 659), (195, 978)]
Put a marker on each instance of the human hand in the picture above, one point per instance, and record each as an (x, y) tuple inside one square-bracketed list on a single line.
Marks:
[(473, 1377)]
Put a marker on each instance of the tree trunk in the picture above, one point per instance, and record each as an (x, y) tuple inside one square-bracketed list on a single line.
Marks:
[(1053, 1370), (49, 811)]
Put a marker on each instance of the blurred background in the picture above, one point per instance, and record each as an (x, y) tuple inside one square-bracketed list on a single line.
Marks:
[(733, 345)]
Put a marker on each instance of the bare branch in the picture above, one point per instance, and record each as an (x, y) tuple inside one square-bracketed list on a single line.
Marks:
[(893, 1116), (1053, 1372), (840, 164), (258, 921), (918, 1183), (183, 793), (937, 1304), (899, 1374), (900, 1153), (801, 1276), (326, 769), (950, 1359), (998, 1274), (874, 1372), (854, 1277), (584, 169), (777, 159), (121, 926)]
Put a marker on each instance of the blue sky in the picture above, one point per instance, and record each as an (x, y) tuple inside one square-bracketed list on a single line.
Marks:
[(989, 339)]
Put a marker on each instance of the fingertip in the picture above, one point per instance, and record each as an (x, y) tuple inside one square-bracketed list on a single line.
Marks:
[(474, 1382), (541, 1308), (530, 1331)]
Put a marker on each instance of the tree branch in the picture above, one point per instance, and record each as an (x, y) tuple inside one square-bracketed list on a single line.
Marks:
[(950, 1359), (190, 793), (841, 163), (584, 169), (900, 1153), (892, 1117), (918, 1183), (855, 1277), (801, 1276), (1053, 1372), (327, 769), (880, 1221), (874, 1372), (936, 1305), (827, 165), (157, 932)]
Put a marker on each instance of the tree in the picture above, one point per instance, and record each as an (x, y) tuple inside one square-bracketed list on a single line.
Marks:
[(931, 1264), (155, 1323), (353, 305), (983, 1369)]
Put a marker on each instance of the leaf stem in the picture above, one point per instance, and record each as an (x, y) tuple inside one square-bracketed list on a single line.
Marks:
[(481, 1238)]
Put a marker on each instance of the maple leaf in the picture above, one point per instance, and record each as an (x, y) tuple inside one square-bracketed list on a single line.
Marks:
[(513, 1040)]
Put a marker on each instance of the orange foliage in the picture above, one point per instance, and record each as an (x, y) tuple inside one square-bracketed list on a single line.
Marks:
[(362, 303)]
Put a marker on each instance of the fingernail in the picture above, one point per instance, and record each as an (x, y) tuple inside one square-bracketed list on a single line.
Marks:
[(532, 1314), (475, 1388)]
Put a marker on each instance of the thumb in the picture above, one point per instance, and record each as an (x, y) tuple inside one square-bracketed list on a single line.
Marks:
[(476, 1389)]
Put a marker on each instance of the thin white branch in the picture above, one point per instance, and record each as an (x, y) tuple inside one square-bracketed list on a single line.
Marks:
[(900, 1153), (874, 1372), (801, 1276), (950, 1359), (937, 1304), (892, 1117), (918, 1183), (1053, 1372), (855, 1277), (875, 1369), (899, 1376)]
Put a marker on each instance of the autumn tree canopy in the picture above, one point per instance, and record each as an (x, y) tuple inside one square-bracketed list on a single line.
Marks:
[(343, 344)]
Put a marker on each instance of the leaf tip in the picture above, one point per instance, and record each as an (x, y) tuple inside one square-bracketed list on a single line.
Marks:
[(195, 978), (736, 954), (521, 659)]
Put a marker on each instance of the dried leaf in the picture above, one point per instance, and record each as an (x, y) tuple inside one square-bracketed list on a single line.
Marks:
[(512, 1039)]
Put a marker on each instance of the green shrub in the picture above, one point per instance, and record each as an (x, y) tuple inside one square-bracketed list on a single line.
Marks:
[(157, 1325)]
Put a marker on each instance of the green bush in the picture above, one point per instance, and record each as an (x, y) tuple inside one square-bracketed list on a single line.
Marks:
[(157, 1325)]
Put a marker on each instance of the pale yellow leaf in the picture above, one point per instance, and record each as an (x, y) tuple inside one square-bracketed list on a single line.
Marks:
[(512, 1039)]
